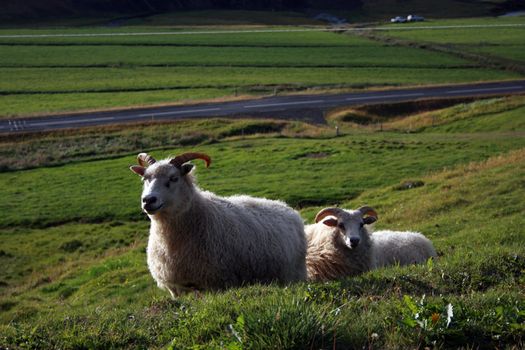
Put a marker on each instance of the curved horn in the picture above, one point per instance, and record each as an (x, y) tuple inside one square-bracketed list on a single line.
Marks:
[(326, 212), (186, 157), (368, 211), (144, 158)]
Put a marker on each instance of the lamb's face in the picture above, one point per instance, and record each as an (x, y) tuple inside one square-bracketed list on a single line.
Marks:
[(166, 187), (350, 225)]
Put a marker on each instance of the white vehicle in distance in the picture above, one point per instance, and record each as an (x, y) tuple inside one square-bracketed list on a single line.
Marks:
[(398, 19), (415, 18)]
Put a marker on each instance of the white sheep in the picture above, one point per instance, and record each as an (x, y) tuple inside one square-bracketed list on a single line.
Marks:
[(199, 240), (339, 245), (400, 247)]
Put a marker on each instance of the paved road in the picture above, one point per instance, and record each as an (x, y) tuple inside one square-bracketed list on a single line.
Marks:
[(293, 107)]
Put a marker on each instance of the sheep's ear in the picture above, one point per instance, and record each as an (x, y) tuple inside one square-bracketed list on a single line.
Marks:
[(330, 222), (369, 220), (186, 168), (137, 169)]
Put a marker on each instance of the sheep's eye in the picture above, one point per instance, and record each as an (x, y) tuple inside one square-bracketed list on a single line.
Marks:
[(168, 184), (341, 226), (174, 179)]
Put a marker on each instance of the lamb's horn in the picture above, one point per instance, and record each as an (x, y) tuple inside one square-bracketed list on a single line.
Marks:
[(144, 158), (327, 212), (186, 157), (368, 211)]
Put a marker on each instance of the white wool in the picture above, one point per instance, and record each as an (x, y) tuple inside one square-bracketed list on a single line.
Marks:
[(400, 247)]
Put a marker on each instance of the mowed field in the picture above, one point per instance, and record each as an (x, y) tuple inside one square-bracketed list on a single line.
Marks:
[(503, 42), (73, 238), (56, 71)]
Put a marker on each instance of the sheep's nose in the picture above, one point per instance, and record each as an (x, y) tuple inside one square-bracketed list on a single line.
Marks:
[(354, 241), (149, 199)]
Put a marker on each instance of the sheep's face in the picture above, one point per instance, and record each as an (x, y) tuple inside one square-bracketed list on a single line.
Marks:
[(350, 226), (166, 187)]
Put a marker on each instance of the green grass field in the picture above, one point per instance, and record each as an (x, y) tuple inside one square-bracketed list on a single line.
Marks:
[(74, 272), (501, 42), (30, 80), (495, 114), (366, 55), (46, 75)]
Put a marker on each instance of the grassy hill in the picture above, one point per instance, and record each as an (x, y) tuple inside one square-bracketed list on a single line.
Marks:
[(431, 116), (73, 238)]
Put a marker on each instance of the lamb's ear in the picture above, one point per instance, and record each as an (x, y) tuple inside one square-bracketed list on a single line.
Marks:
[(369, 220), (185, 168), (330, 222), (137, 169)]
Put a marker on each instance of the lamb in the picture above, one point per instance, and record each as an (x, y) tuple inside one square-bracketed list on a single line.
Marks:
[(339, 246), (400, 247), (342, 246), (201, 241)]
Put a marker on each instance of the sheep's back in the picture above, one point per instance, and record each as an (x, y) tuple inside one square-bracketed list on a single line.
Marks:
[(400, 247), (260, 239)]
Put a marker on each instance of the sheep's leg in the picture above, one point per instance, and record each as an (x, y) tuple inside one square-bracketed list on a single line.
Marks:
[(175, 291), (197, 293), (173, 294)]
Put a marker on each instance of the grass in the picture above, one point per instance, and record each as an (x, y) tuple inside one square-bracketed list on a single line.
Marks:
[(266, 38), (58, 148), (73, 192), (29, 80), (86, 284), (502, 121), (492, 115), (502, 42), (474, 35), (43, 104), (507, 51), (448, 116), (121, 71), (370, 54), (25, 90)]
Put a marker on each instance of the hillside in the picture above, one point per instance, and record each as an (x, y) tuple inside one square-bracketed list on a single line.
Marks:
[(14, 9), (34, 9), (73, 237), (431, 116)]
